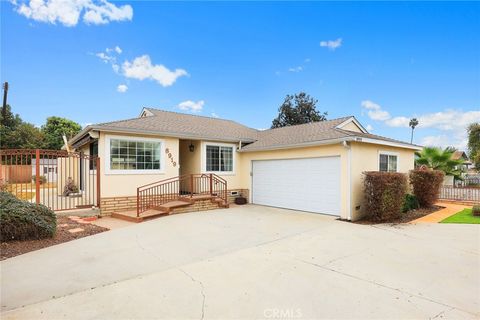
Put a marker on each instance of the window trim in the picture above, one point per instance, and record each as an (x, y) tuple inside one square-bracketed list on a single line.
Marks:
[(108, 170), (388, 153), (204, 158)]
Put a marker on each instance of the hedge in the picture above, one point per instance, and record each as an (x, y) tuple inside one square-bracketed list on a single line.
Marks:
[(21, 220), (384, 195), (426, 185)]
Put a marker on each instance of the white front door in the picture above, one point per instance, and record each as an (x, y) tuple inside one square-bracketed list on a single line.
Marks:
[(311, 184)]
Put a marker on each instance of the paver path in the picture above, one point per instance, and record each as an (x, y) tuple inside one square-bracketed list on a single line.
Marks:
[(435, 217)]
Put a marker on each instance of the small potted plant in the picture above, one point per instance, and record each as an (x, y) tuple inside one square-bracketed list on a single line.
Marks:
[(240, 199)]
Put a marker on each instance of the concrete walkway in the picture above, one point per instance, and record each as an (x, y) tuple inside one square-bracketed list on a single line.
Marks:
[(251, 262), (435, 217)]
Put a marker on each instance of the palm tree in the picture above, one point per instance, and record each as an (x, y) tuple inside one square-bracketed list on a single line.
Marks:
[(438, 159), (413, 123)]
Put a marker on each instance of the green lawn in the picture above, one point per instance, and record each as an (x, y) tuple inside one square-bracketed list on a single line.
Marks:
[(464, 216)]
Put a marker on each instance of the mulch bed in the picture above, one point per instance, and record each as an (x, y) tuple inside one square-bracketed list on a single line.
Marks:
[(14, 248), (406, 217)]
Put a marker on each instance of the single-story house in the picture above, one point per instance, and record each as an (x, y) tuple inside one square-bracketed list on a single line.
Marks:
[(315, 167)]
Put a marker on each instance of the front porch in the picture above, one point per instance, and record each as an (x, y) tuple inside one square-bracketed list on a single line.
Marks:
[(187, 193)]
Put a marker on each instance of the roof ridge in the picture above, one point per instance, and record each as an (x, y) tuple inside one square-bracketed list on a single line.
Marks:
[(117, 121), (308, 123), (198, 115)]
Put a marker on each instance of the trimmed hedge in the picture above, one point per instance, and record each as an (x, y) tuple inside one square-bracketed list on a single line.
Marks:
[(21, 220), (426, 185), (384, 195)]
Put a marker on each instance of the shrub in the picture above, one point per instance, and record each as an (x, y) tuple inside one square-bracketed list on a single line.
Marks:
[(384, 195), (43, 179), (21, 220), (476, 210), (426, 185), (70, 187), (410, 203)]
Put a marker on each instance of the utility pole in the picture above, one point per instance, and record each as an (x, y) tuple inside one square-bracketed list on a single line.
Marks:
[(4, 107)]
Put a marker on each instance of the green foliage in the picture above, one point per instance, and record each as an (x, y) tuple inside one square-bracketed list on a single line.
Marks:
[(43, 179), (384, 195), (54, 130), (16, 134), (474, 143), (426, 185), (298, 109), (410, 203), (438, 159), (413, 123), (21, 220)]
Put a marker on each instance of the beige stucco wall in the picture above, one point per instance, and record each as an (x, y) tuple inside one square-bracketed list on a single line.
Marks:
[(365, 157), (351, 127), (119, 185), (189, 161)]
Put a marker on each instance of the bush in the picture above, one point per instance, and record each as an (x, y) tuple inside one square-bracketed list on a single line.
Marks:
[(21, 220), (426, 185), (384, 195), (70, 187), (476, 210), (410, 203), (43, 179)]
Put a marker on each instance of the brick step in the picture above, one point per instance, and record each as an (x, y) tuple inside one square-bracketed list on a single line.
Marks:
[(131, 215)]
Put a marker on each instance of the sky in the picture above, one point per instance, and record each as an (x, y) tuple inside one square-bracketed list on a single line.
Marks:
[(95, 61)]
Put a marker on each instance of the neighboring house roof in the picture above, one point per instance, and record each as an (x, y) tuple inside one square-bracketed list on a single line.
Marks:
[(173, 124), (459, 155)]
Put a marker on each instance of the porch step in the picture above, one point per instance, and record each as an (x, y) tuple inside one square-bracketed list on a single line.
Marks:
[(131, 215), (166, 208)]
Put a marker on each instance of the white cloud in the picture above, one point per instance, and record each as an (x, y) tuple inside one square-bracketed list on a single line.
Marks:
[(122, 88), (191, 106), (374, 111), (117, 49), (68, 12), (451, 123), (213, 114), (141, 68), (295, 69), (369, 127), (331, 44)]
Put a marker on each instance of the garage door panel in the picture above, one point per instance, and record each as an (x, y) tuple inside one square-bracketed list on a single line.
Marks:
[(301, 184)]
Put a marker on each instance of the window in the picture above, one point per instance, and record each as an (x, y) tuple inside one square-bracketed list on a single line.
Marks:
[(219, 158), (134, 155), (93, 153), (388, 162)]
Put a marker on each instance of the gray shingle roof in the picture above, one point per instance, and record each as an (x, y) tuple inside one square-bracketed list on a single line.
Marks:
[(188, 126)]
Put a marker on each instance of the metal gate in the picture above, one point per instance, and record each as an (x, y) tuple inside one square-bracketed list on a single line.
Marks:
[(54, 178)]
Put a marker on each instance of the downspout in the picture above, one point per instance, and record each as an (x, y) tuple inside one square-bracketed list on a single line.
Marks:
[(240, 145), (347, 146)]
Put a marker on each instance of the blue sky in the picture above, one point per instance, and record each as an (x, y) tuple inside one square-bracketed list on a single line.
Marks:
[(382, 62)]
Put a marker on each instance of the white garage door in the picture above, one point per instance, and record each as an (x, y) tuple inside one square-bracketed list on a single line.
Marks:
[(302, 184)]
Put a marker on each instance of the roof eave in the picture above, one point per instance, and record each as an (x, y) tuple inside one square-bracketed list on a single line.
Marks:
[(334, 141), (157, 133)]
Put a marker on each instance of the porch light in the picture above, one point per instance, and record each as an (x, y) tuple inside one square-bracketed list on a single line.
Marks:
[(191, 147)]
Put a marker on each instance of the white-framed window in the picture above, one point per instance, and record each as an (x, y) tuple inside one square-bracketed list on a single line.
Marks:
[(218, 158), (387, 161), (131, 155)]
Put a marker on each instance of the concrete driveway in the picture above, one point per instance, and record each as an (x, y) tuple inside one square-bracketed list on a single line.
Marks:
[(250, 262)]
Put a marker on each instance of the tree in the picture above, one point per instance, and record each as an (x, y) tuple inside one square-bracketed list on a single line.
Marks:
[(25, 136), (298, 109), (474, 143), (16, 134), (413, 123), (438, 159), (54, 130)]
